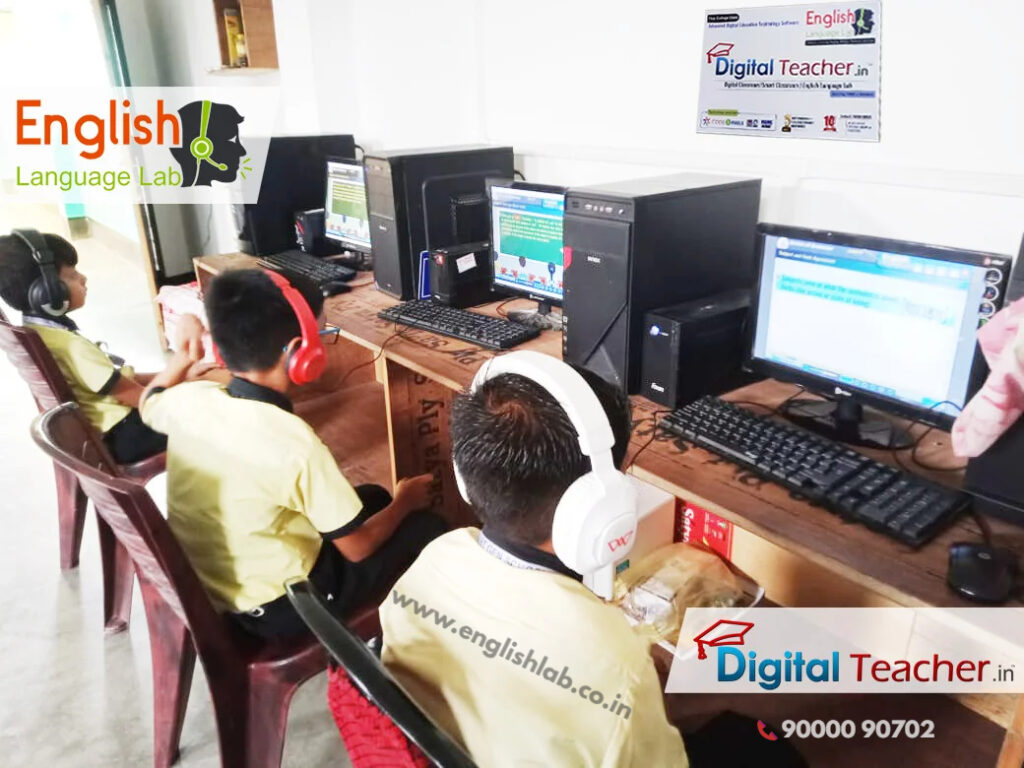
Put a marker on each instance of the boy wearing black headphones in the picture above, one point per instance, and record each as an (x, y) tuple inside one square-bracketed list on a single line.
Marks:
[(254, 496), (39, 278)]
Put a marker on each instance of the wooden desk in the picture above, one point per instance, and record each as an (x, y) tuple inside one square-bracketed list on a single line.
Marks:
[(420, 372)]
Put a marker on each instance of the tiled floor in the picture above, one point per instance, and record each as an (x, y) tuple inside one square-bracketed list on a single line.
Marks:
[(69, 696)]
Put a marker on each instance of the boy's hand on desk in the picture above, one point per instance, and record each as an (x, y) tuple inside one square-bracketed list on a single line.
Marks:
[(189, 337), (414, 492)]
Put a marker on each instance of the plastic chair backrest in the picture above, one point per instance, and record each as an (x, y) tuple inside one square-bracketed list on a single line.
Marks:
[(68, 438), (36, 365), (373, 679)]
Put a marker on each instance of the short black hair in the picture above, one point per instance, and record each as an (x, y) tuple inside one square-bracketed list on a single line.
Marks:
[(250, 319), (518, 452), (18, 270)]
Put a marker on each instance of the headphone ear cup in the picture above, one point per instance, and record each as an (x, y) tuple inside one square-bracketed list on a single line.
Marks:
[(595, 522), (39, 296), (306, 364)]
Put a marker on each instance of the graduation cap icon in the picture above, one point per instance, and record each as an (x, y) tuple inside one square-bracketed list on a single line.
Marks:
[(720, 49), (722, 632)]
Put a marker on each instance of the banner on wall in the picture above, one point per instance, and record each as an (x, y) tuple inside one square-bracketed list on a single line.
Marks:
[(794, 71)]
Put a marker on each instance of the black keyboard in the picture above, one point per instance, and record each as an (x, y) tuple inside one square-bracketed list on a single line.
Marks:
[(487, 331), (296, 264), (882, 497)]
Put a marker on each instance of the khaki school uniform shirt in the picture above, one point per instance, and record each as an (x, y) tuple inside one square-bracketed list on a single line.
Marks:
[(88, 370), (250, 488), (465, 634)]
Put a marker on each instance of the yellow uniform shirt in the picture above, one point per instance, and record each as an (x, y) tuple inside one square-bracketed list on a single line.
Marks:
[(466, 634), (89, 371), (250, 487)]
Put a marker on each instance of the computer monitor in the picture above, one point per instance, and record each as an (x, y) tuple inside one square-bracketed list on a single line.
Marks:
[(871, 321), (526, 241), (293, 181), (346, 217)]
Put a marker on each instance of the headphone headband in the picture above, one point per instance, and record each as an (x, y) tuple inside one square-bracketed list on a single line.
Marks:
[(41, 253), (565, 385)]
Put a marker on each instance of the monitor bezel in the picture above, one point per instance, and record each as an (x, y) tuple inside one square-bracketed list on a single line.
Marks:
[(350, 245), (828, 388), (506, 183)]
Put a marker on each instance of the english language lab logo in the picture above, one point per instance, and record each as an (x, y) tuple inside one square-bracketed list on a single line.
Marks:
[(210, 148)]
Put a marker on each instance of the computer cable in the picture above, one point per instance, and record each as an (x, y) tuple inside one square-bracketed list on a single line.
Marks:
[(656, 418), (361, 150), (501, 307), (519, 174)]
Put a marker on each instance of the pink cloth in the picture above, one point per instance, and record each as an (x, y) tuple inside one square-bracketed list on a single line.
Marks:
[(1001, 400)]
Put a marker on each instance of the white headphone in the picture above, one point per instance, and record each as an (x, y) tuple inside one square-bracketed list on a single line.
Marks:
[(596, 518)]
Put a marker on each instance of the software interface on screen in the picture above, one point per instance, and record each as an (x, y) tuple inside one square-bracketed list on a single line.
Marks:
[(346, 218), (898, 325), (527, 240)]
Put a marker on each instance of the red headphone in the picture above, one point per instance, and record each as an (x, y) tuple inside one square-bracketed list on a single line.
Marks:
[(307, 363)]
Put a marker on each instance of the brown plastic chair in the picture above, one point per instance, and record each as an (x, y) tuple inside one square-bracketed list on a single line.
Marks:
[(49, 388), (251, 681)]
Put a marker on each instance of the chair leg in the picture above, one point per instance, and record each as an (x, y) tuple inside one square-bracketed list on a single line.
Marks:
[(174, 659), (269, 699), (71, 503), (251, 726), (118, 580)]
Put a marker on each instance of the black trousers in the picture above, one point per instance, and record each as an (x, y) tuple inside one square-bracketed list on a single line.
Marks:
[(130, 440), (347, 584)]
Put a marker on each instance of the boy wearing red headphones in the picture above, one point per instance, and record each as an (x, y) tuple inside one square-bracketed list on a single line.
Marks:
[(39, 277), (254, 496)]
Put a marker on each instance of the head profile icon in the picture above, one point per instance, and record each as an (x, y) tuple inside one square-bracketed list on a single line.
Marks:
[(210, 150), (864, 21)]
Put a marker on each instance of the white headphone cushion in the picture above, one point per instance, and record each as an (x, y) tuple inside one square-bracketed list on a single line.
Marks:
[(595, 522)]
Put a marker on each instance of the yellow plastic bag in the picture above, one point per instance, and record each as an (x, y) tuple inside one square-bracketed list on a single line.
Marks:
[(656, 591)]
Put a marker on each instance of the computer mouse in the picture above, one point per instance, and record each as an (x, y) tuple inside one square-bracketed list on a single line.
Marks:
[(981, 573), (333, 289)]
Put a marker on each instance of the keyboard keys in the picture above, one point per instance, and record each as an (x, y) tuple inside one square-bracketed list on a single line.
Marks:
[(882, 497), (484, 330)]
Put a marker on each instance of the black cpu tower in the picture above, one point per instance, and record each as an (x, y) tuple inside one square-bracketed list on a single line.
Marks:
[(633, 246), (695, 348), (294, 179), (425, 199), (995, 478)]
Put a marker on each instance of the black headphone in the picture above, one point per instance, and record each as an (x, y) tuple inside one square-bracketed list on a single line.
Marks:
[(48, 294)]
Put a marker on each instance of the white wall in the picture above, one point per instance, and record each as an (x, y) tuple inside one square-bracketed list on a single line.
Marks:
[(596, 90), (58, 44)]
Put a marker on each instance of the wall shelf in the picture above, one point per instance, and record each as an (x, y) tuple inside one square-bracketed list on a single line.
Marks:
[(258, 27)]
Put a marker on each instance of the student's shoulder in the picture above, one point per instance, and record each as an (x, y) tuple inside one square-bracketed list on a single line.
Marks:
[(186, 394)]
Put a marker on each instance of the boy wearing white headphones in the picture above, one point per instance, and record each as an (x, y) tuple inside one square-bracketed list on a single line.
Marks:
[(39, 277), (491, 630)]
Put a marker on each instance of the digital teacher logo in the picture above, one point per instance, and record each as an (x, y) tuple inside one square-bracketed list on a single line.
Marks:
[(825, 665), (210, 148)]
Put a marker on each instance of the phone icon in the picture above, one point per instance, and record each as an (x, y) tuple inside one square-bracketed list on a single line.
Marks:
[(766, 732)]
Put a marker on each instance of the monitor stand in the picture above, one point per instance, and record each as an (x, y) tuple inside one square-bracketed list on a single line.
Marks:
[(844, 421), (357, 260), (542, 317)]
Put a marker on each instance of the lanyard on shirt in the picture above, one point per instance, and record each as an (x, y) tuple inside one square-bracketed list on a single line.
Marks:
[(507, 557)]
